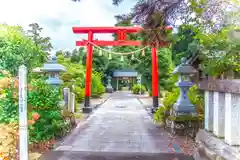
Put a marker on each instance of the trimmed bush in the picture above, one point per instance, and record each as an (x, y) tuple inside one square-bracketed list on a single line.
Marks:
[(137, 88)]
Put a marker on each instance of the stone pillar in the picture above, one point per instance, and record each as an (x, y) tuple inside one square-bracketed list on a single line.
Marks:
[(218, 114), (23, 121), (208, 101), (72, 102), (67, 96), (232, 119)]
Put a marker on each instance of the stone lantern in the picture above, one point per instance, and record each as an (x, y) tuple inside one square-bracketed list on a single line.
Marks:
[(183, 105), (109, 88), (53, 69)]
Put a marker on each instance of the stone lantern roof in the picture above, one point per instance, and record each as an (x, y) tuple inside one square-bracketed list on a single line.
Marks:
[(185, 68), (53, 66)]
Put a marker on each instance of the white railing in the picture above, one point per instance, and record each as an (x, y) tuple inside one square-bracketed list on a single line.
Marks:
[(222, 109)]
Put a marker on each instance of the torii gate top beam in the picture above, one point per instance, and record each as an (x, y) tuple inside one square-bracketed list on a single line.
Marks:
[(114, 29), (121, 32)]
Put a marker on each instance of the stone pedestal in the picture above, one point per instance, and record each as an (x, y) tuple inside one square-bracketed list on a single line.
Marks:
[(87, 109), (109, 89)]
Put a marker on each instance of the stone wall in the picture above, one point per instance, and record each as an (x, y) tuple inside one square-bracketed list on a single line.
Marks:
[(221, 135)]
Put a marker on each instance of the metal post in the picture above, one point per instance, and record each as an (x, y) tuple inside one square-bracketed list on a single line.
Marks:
[(23, 125)]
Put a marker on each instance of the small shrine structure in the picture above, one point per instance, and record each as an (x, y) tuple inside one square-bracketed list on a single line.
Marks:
[(52, 69)]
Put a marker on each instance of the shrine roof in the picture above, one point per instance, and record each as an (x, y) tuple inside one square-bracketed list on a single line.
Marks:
[(52, 66), (125, 73)]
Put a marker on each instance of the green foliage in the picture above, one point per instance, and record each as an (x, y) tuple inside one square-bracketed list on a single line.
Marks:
[(42, 42), (196, 98), (75, 58), (9, 107), (17, 49), (220, 54), (75, 75), (159, 115), (137, 89), (43, 96), (185, 44), (168, 101), (99, 63), (97, 88), (143, 64), (43, 99), (79, 92), (171, 97)]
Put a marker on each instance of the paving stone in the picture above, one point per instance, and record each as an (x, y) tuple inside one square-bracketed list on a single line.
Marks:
[(124, 129)]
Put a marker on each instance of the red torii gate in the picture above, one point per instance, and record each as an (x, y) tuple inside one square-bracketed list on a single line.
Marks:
[(122, 41)]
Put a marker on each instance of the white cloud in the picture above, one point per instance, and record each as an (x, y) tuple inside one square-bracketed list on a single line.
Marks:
[(57, 17)]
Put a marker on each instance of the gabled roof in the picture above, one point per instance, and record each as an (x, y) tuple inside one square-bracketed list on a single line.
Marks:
[(52, 66), (125, 73)]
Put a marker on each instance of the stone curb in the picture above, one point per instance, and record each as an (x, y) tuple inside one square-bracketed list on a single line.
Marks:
[(145, 107)]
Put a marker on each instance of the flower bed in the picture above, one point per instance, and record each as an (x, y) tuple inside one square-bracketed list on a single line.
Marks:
[(46, 120)]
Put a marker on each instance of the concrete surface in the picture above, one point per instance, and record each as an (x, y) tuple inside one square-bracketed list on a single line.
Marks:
[(120, 129)]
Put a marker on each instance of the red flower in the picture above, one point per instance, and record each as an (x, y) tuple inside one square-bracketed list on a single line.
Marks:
[(35, 116)]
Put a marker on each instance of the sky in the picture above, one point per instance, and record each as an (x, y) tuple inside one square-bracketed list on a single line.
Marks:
[(57, 17)]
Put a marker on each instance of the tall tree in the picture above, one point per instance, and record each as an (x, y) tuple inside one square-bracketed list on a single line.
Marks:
[(17, 49), (35, 34), (185, 43), (75, 57), (174, 10)]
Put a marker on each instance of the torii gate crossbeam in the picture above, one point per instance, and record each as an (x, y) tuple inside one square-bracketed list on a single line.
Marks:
[(122, 41)]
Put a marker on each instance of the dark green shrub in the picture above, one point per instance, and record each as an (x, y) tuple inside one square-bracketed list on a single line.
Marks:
[(171, 97), (137, 88), (44, 100), (168, 101)]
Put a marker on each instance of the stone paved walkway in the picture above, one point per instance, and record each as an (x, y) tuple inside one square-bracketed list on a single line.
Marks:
[(120, 129)]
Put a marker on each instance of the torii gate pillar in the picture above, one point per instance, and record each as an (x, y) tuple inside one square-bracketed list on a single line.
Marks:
[(87, 108), (154, 79)]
